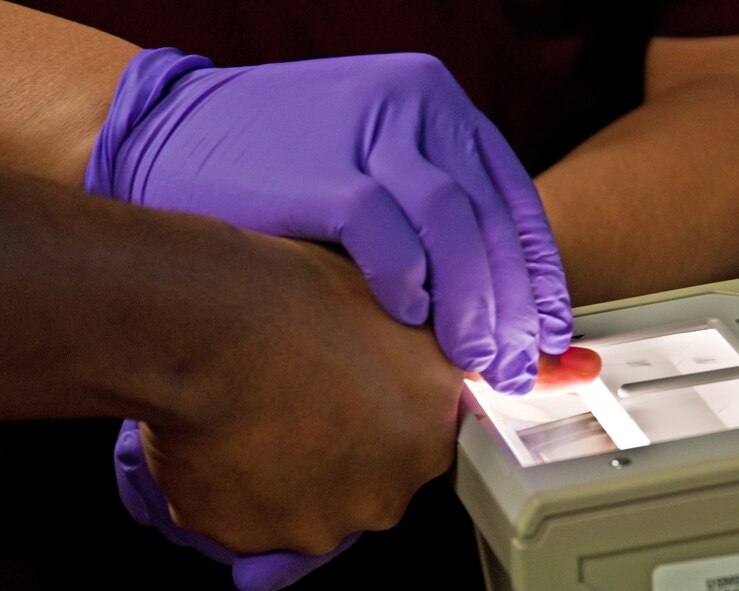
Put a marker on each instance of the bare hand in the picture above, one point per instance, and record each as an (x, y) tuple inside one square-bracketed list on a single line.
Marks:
[(320, 415)]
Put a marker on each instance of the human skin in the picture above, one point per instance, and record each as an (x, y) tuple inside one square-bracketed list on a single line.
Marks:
[(150, 319), (650, 203), (616, 205), (557, 374), (57, 85), (185, 324), (191, 326), (647, 204)]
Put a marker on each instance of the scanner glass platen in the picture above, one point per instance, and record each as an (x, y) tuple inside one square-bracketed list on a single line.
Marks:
[(652, 388)]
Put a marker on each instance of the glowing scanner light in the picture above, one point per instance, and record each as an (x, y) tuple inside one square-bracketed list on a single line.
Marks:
[(613, 417)]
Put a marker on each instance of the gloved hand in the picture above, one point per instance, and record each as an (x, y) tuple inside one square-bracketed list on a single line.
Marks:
[(146, 504), (384, 154)]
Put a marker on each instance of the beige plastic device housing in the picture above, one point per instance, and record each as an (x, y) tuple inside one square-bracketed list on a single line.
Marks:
[(620, 519)]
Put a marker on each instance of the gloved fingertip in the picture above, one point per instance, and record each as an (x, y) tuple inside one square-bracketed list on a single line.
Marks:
[(246, 578), (128, 450), (514, 379), (467, 341), (277, 570), (555, 331), (413, 311), (518, 386), (416, 312), (477, 364), (555, 342), (272, 571), (128, 463)]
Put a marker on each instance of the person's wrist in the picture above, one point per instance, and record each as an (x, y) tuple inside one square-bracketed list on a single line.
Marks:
[(195, 318)]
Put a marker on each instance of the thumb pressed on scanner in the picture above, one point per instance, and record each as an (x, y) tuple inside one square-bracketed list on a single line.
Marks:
[(575, 367), (556, 374)]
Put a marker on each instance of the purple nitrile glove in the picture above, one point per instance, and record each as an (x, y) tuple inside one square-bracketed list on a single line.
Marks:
[(147, 505), (384, 154)]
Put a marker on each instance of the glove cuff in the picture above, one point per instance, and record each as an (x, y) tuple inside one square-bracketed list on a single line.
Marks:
[(143, 82)]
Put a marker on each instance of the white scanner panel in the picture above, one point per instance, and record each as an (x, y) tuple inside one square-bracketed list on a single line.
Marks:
[(652, 388)]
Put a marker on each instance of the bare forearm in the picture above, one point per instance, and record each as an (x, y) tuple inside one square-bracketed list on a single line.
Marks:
[(58, 78), (651, 202), (108, 309)]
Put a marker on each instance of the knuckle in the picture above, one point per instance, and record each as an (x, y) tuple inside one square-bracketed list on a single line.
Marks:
[(414, 70), (368, 208), (425, 67), (440, 454), (364, 199), (387, 507), (316, 541), (388, 516)]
